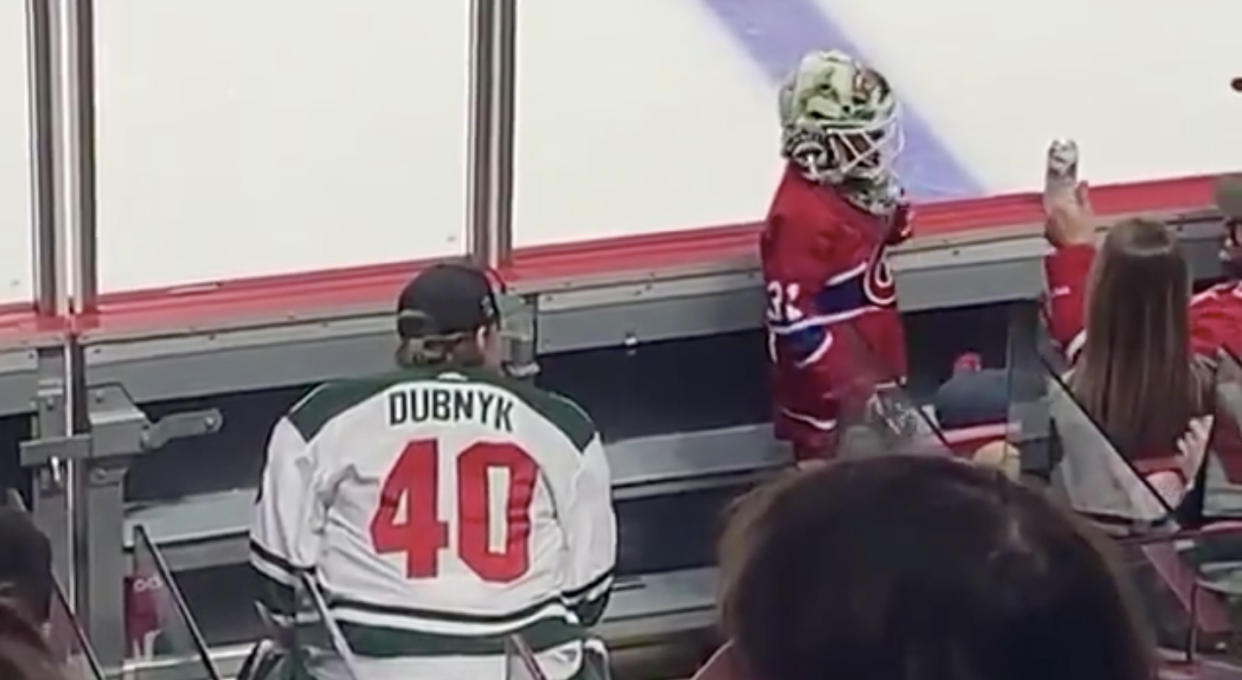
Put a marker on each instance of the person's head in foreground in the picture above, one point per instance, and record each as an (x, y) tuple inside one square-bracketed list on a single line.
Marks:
[(840, 125), (1136, 375), (447, 316), (25, 565), (23, 652), (920, 568)]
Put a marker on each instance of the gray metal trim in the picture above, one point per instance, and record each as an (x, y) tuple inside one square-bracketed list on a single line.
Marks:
[(245, 359), (665, 593), (989, 272), (19, 380), (646, 310), (649, 321), (705, 453)]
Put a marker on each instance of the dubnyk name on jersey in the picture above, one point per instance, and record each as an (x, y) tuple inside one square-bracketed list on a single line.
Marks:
[(422, 403)]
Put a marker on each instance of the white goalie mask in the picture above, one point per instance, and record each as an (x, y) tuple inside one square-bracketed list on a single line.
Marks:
[(839, 120)]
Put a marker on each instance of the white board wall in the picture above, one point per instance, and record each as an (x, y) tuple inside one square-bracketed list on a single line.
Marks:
[(254, 137), (635, 117), (15, 257)]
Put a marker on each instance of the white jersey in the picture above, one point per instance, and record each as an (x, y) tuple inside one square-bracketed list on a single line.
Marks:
[(440, 510)]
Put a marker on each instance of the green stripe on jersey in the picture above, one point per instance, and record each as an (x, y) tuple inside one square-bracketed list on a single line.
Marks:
[(567, 416), (330, 400), (384, 642), (277, 597)]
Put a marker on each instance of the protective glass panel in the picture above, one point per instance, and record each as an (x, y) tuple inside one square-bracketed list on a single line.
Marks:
[(15, 230), (321, 646), (161, 625), (520, 663), (1088, 470), (877, 415), (239, 138), (1222, 472), (1188, 589), (70, 648), (1191, 589), (1026, 450)]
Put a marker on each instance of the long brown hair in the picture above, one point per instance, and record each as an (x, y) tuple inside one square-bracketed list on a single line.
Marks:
[(422, 346), (1136, 375)]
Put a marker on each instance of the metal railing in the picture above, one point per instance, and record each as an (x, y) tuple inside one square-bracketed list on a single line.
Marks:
[(493, 76)]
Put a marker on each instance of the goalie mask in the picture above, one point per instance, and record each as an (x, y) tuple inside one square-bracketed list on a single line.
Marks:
[(840, 122)]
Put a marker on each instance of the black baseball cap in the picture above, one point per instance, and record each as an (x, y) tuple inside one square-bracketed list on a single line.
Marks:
[(446, 299)]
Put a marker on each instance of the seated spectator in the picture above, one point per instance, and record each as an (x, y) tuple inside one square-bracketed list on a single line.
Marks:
[(25, 565), (921, 568), (1140, 346), (974, 397)]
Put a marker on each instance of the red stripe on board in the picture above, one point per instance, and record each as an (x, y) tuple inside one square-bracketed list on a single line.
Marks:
[(306, 293)]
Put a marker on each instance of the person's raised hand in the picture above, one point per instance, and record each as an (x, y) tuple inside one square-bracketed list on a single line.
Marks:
[(1193, 445), (1069, 221)]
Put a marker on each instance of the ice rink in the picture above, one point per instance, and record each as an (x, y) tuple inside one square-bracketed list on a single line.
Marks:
[(243, 138)]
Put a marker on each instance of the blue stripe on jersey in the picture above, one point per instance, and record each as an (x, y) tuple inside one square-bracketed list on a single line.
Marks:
[(838, 301), (802, 343), (842, 297)]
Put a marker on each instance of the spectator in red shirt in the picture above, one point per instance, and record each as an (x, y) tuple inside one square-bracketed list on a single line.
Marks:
[(1141, 346)]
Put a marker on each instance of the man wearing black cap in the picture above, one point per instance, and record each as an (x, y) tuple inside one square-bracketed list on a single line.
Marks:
[(441, 507)]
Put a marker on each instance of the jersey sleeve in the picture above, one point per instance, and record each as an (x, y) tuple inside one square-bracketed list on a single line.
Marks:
[(1216, 320), (591, 530), (822, 286), (1067, 269), (284, 538)]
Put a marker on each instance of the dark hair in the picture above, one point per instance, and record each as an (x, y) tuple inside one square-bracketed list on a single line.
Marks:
[(422, 344), (24, 654), (25, 564), (1135, 374), (919, 568)]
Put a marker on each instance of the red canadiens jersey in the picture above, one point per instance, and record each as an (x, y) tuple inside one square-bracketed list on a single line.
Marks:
[(834, 334), (1215, 314)]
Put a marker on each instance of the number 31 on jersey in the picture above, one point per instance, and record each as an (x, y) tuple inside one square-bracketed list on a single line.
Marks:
[(782, 302), (413, 483)]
